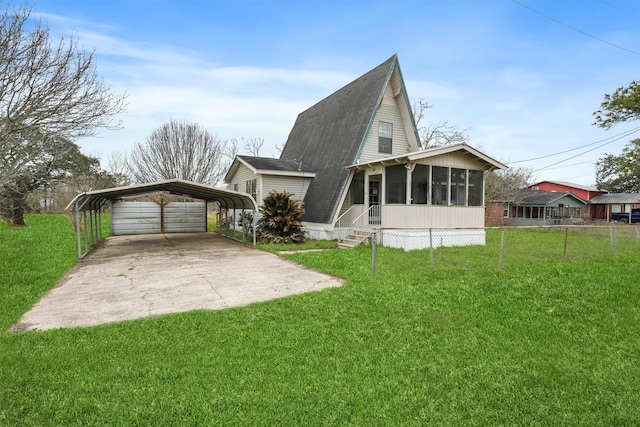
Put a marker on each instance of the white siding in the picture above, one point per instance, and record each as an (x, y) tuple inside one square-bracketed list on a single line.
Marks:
[(390, 113), (425, 216), (241, 177), (294, 185), (454, 160)]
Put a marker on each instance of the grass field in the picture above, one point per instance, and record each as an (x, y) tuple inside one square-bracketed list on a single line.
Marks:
[(549, 340)]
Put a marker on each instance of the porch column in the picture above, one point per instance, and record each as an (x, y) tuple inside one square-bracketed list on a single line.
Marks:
[(366, 190), (408, 200)]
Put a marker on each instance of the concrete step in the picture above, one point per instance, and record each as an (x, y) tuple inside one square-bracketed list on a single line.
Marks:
[(353, 240)]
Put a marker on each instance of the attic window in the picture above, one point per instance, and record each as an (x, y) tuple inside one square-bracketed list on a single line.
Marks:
[(385, 137)]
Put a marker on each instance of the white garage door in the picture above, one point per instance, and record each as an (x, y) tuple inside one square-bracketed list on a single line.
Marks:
[(132, 217)]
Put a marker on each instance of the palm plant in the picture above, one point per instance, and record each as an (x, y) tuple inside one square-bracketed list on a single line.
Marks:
[(280, 221)]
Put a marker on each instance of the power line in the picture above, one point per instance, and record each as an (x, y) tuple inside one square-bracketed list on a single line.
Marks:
[(576, 29), (613, 6), (577, 155), (617, 137), (572, 164)]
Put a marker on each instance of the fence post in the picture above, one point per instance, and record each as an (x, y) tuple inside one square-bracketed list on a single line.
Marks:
[(501, 258), (566, 238), (612, 234), (374, 254), (431, 248)]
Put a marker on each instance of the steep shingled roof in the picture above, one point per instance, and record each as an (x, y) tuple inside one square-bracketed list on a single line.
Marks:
[(326, 138)]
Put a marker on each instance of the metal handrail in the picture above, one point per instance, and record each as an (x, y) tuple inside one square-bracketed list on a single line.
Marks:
[(368, 212), (337, 223)]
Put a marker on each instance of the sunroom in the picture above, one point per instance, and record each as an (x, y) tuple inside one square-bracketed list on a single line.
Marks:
[(439, 188)]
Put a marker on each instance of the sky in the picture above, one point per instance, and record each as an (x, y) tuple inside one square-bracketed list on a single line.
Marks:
[(521, 77)]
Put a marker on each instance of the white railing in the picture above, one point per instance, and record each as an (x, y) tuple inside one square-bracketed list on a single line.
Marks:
[(343, 220)]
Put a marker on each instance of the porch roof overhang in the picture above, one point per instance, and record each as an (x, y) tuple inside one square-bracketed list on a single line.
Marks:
[(616, 198), (92, 200), (490, 163)]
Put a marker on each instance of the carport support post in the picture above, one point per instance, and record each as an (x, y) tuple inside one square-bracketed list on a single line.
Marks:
[(255, 223), (244, 225), (86, 238), (91, 227), (78, 231)]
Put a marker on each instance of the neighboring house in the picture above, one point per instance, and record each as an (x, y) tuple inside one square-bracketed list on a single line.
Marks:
[(585, 192), (356, 160), (539, 207), (606, 204)]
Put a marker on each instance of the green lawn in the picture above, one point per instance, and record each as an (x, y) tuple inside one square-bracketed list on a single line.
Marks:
[(549, 340)]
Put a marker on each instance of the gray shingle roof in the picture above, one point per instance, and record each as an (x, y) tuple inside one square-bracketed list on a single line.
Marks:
[(268, 163), (526, 197), (327, 136)]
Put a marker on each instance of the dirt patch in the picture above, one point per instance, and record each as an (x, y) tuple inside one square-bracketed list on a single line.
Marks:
[(131, 277)]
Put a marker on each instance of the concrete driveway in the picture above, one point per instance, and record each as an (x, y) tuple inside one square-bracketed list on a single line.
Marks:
[(131, 277)]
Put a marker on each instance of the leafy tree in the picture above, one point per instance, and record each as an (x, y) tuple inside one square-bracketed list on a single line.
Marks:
[(182, 150), (436, 134), (620, 174), (621, 106), (50, 94), (37, 163), (280, 221)]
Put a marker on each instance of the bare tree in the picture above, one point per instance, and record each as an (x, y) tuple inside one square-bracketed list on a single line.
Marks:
[(436, 134), (49, 92), (52, 89), (118, 166), (182, 150), (502, 185), (253, 145)]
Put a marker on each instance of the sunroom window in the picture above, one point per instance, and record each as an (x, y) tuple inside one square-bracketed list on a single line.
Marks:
[(396, 184), (439, 185), (420, 185), (475, 187), (458, 187)]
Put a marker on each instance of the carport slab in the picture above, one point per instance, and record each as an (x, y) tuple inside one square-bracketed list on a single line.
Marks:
[(132, 277)]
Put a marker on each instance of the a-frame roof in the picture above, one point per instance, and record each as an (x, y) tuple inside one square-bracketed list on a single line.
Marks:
[(328, 136)]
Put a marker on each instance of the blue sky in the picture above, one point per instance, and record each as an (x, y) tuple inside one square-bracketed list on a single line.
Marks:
[(523, 84)]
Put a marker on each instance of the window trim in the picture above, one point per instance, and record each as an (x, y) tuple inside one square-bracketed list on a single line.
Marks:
[(382, 140)]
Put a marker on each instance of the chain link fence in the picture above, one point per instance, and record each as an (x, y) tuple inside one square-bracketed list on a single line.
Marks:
[(502, 247)]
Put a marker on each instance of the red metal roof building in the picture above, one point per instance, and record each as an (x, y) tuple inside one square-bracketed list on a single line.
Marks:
[(585, 192)]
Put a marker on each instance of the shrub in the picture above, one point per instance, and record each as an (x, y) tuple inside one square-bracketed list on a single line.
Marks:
[(280, 221), (245, 221)]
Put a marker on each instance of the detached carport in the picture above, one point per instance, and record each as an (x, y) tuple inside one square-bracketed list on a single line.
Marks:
[(87, 206)]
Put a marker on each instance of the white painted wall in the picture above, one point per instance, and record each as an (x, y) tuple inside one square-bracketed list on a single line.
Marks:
[(390, 113), (294, 185)]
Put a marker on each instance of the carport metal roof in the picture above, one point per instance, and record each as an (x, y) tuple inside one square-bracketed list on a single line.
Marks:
[(92, 200)]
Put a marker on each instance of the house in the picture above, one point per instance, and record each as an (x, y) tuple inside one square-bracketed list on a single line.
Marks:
[(540, 207), (604, 205), (357, 162)]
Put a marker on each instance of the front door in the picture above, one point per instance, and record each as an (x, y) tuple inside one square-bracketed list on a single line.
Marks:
[(374, 199)]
